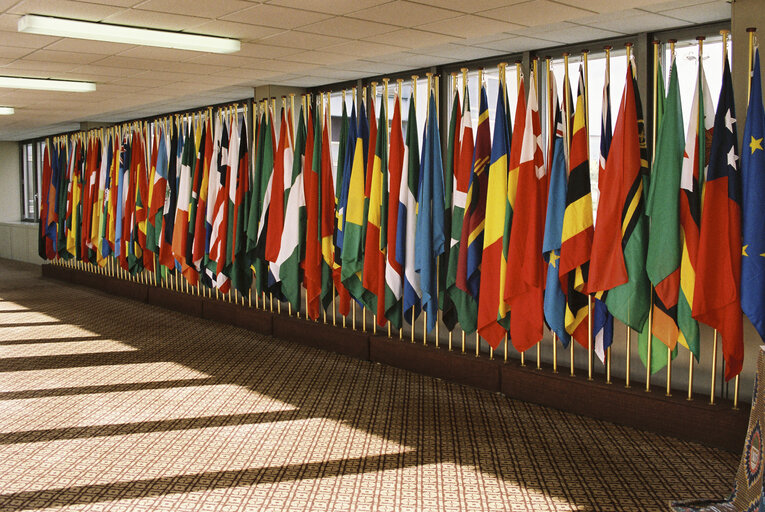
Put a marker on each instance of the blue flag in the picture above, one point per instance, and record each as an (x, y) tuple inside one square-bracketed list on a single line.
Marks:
[(555, 300), (429, 234), (753, 207), (350, 149), (602, 320)]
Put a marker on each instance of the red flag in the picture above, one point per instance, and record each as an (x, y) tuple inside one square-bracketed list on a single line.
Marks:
[(312, 261), (716, 299), (526, 269), (276, 206)]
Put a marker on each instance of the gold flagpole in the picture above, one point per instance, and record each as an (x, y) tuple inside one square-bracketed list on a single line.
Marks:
[(518, 84), (628, 47), (608, 350), (656, 78), (672, 43), (567, 108), (464, 72), (585, 54), (551, 136)]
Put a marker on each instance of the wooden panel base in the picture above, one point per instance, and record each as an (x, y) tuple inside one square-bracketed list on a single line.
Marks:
[(176, 301), (466, 369), (719, 426), (319, 335), (714, 425)]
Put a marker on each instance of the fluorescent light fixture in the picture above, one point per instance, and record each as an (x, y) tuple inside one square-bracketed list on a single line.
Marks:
[(6, 111), (45, 84), (62, 27)]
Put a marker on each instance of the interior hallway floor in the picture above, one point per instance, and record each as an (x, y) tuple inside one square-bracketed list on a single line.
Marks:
[(109, 404)]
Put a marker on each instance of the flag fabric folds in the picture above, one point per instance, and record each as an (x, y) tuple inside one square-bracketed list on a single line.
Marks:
[(716, 300), (429, 242), (753, 206)]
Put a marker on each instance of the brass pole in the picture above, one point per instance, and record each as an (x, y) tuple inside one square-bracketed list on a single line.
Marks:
[(505, 351), (477, 343), (463, 342), (714, 369), (690, 375), (412, 324), (628, 47), (555, 352)]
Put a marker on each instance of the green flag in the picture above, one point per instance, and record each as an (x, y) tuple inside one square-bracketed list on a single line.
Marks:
[(664, 237)]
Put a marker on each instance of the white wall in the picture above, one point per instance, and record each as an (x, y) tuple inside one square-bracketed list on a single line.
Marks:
[(18, 240)]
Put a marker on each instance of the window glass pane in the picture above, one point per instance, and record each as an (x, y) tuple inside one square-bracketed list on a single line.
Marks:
[(28, 182)]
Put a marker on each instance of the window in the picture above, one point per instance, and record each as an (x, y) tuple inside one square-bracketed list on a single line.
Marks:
[(31, 179)]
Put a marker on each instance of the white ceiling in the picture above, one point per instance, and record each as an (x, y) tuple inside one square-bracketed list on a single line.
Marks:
[(287, 42)]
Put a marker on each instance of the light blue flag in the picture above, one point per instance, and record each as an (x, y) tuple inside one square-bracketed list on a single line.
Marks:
[(753, 207), (429, 241), (122, 177), (555, 300)]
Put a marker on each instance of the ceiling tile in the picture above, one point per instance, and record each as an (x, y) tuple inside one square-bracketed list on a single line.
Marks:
[(567, 32), (536, 12), (215, 9), (349, 27), (609, 5), (469, 26), (10, 52), (151, 19), (318, 57), (457, 51), (276, 16), (703, 13), (20, 40), (673, 4), (472, 6), (234, 61), (304, 40), (265, 51), (631, 21), (241, 31), (63, 57), (367, 67), (336, 7), (22, 66), (83, 45), (411, 38), (364, 49), (156, 53), (520, 44), (403, 13), (66, 9)]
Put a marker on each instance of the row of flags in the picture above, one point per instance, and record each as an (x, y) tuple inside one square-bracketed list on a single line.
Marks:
[(496, 232)]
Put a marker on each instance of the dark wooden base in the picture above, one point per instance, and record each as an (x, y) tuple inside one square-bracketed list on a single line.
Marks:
[(717, 425)]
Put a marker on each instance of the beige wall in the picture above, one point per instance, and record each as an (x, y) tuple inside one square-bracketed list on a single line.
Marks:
[(10, 182), (18, 240)]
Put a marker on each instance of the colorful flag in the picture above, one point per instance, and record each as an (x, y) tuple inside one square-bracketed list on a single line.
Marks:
[(326, 215), (716, 300), (446, 280), (202, 231), (287, 265), (171, 198), (279, 182), (602, 320), (525, 278), (491, 306), (407, 217), (352, 256), (753, 206), (181, 229), (312, 259), (621, 217), (472, 236), (664, 235), (394, 272), (465, 305), (697, 145), (429, 240), (343, 175), (576, 238), (373, 276), (554, 298)]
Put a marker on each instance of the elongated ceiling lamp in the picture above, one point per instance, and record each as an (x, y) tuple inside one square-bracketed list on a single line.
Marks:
[(45, 84), (62, 27)]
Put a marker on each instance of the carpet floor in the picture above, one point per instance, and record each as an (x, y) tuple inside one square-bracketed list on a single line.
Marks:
[(109, 404)]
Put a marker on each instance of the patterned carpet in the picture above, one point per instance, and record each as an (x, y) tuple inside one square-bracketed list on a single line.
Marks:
[(107, 404)]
